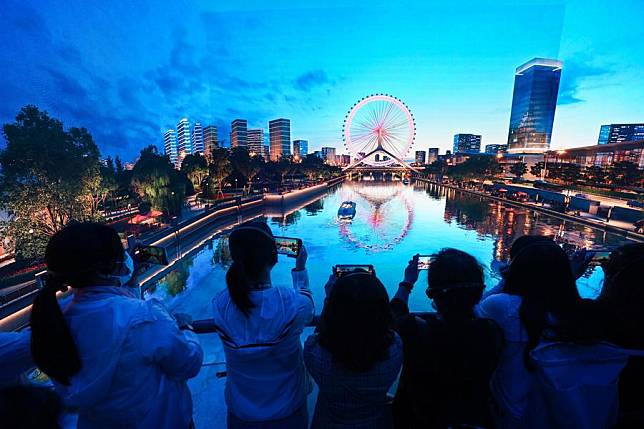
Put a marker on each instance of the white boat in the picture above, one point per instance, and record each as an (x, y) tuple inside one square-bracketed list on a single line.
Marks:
[(347, 210)]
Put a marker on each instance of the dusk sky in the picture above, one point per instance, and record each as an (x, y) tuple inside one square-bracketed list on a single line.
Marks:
[(128, 71)]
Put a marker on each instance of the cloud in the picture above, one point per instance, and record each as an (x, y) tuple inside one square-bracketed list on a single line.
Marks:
[(575, 75), (311, 79)]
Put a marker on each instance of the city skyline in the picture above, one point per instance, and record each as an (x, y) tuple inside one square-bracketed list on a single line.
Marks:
[(95, 68)]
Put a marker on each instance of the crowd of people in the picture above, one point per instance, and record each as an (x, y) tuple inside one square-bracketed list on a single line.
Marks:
[(528, 353)]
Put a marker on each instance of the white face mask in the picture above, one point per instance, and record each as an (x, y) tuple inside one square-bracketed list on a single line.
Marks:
[(129, 264)]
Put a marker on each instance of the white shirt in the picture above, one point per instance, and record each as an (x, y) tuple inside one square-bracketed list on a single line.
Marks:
[(511, 383), (135, 362), (266, 375)]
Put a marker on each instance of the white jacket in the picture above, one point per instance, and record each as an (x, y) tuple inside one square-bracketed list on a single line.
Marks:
[(135, 362), (266, 375)]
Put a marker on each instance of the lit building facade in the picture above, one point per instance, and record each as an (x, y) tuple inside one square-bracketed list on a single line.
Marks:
[(600, 155), (197, 139), (300, 148), (184, 142), (170, 146), (618, 133), (536, 86), (279, 131), (432, 155), (239, 133), (210, 141), (467, 143), (328, 154), (493, 149), (420, 157), (256, 142)]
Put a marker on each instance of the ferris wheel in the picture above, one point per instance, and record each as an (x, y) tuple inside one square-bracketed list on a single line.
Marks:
[(379, 130)]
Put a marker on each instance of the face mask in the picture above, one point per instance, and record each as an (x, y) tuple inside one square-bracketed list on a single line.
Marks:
[(129, 264)]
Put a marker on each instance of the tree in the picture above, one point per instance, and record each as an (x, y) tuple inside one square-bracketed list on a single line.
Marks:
[(119, 165), (312, 166), (476, 167), (595, 174), (195, 168), (48, 179), (244, 166), (537, 168), (218, 170), (155, 180), (519, 169)]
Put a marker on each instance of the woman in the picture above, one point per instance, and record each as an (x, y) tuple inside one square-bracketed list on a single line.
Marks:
[(539, 300), (619, 311), (355, 356), (450, 355), (260, 327), (120, 361)]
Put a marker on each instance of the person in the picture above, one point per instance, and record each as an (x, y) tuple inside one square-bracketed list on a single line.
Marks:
[(450, 355), (121, 362), (619, 316), (539, 300), (355, 355), (260, 327)]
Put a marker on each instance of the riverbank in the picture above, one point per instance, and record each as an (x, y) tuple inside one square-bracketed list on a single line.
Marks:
[(182, 240), (630, 234)]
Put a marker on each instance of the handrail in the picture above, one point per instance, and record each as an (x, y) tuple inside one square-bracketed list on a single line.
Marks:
[(208, 326)]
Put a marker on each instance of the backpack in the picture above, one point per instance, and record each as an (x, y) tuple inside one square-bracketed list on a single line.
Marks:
[(576, 385)]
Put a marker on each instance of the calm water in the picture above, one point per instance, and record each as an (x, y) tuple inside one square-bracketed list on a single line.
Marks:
[(393, 222)]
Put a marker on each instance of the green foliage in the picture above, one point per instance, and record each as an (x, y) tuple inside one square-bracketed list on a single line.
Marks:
[(595, 174), (50, 177), (155, 180), (195, 168), (244, 166), (476, 167), (624, 173), (519, 169), (537, 168), (218, 170)]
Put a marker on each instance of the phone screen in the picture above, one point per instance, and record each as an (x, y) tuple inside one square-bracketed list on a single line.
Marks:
[(601, 256), (424, 261), (341, 270), (288, 246), (151, 255)]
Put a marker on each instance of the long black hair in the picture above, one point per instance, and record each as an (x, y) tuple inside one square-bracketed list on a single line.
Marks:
[(76, 256), (252, 249), (550, 303), (356, 322)]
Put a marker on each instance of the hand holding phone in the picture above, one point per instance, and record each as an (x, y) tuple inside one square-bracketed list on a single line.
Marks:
[(150, 255), (288, 246), (344, 269)]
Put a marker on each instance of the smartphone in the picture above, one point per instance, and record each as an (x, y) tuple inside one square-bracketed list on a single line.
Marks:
[(344, 269), (131, 241), (600, 256), (288, 246), (424, 261), (151, 255), (40, 279)]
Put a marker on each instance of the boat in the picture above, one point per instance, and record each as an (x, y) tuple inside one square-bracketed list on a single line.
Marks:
[(347, 210)]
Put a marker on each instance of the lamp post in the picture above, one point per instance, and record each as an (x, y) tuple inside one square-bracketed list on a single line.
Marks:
[(235, 186)]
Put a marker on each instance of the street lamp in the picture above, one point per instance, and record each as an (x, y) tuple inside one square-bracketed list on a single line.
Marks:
[(236, 190)]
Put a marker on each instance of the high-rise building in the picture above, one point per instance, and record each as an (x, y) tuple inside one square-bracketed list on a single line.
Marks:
[(496, 148), (618, 133), (210, 141), (536, 85), (328, 154), (170, 146), (279, 131), (184, 143), (256, 142), (197, 139), (432, 155), (300, 148), (239, 133), (420, 157), (467, 143)]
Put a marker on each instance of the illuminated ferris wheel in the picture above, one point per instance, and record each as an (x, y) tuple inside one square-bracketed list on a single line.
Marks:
[(379, 131)]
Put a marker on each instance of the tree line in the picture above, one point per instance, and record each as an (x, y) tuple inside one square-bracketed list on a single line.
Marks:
[(50, 177)]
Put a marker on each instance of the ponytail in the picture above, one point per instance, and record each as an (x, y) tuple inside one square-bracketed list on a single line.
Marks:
[(238, 285), (52, 346), (76, 256), (252, 249)]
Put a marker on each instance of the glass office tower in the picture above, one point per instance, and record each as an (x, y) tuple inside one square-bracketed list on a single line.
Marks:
[(536, 85)]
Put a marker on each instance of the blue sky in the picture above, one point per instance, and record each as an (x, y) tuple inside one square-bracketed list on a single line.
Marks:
[(127, 71)]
